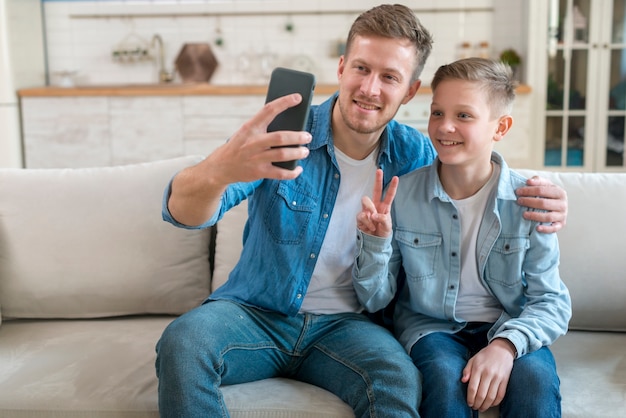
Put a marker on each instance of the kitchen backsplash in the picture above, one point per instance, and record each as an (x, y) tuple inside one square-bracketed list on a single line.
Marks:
[(113, 42)]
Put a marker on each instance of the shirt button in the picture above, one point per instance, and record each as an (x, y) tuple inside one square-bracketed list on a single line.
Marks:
[(455, 216), (312, 255), (453, 254), (299, 295), (336, 175), (293, 203), (325, 216)]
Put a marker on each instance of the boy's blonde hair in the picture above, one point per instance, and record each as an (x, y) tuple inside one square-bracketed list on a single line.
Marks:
[(495, 77)]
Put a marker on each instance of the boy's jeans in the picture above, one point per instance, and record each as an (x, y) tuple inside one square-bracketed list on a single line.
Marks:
[(225, 343), (532, 391)]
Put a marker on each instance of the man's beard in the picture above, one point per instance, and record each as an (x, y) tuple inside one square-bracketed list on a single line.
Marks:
[(356, 127)]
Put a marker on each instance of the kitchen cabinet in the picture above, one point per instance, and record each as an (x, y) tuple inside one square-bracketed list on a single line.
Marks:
[(103, 126), (66, 132), (103, 131), (95, 131), (78, 132), (581, 83)]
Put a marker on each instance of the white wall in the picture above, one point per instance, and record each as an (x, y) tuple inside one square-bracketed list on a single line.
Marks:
[(82, 35), (22, 64)]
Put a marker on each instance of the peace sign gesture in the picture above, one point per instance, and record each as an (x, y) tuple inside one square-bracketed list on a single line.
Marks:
[(374, 218)]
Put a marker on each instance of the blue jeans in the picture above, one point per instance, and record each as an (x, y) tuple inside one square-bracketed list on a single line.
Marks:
[(532, 391), (225, 343)]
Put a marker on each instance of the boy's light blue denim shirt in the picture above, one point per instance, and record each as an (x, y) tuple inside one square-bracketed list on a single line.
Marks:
[(517, 264), (287, 220)]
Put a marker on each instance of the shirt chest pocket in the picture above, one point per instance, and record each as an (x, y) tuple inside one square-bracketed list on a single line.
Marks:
[(420, 252), (288, 214), (504, 265)]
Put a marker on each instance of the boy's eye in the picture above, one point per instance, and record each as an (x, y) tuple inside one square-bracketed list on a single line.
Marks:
[(464, 115)]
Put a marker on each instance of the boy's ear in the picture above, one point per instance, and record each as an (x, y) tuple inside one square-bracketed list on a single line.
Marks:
[(504, 124)]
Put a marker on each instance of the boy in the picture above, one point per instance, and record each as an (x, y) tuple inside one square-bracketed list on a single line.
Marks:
[(483, 299)]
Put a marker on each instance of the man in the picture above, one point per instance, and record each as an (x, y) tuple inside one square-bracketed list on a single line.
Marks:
[(289, 308)]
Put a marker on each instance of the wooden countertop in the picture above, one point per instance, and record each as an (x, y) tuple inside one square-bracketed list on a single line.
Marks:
[(173, 89), (177, 89)]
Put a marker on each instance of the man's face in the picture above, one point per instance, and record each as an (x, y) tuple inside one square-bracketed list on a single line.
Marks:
[(374, 80)]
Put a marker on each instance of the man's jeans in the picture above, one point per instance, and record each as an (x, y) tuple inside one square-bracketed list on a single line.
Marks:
[(224, 343), (532, 391)]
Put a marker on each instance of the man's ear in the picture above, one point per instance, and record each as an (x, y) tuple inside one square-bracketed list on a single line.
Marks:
[(504, 124), (341, 66), (412, 91)]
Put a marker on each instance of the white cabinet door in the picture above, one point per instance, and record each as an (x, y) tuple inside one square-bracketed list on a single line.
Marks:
[(145, 128), (66, 132)]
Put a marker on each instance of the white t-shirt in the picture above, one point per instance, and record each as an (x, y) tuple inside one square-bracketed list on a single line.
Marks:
[(474, 303), (330, 290)]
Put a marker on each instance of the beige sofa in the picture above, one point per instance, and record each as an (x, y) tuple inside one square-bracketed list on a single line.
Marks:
[(90, 275)]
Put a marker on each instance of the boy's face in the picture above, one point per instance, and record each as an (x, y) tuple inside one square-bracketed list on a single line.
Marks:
[(461, 125), (374, 80)]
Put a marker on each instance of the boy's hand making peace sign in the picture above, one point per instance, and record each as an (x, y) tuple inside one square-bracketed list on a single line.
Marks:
[(374, 218)]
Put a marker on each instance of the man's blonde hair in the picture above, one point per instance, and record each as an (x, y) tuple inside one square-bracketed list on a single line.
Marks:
[(398, 22)]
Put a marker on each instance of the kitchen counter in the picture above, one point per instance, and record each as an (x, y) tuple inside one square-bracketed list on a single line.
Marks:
[(171, 89), (178, 89)]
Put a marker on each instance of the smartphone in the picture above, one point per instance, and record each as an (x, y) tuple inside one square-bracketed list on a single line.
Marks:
[(285, 81)]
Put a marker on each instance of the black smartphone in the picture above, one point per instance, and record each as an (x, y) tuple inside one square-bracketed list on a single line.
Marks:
[(284, 81)]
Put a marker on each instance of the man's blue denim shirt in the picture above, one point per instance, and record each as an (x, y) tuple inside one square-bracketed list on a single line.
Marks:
[(287, 219), (518, 264)]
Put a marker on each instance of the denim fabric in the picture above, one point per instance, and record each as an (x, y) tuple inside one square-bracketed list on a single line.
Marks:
[(346, 354), (517, 264), (287, 220), (532, 391)]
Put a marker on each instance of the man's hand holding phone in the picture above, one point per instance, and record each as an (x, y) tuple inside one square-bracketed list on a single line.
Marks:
[(284, 81), (249, 152)]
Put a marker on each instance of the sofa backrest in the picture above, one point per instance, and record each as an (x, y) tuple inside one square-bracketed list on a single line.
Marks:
[(593, 261), (90, 242)]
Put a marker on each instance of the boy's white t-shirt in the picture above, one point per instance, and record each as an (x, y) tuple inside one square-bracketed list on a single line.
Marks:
[(474, 303), (331, 290)]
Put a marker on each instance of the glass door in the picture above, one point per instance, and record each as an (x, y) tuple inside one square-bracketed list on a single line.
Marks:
[(616, 100), (567, 73), (586, 85)]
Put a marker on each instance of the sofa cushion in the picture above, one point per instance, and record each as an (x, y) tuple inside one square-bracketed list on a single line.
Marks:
[(104, 368), (229, 243), (592, 370), (90, 242), (593, 261)]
